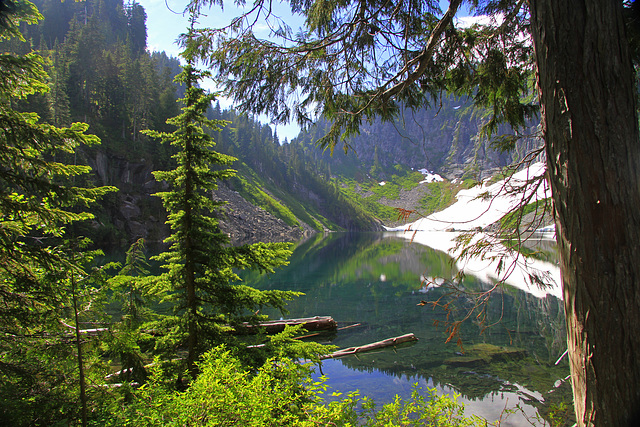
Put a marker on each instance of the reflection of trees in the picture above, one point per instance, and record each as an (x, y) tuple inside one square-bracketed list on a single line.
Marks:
[(536, 325), (343, 258), (340, 273)]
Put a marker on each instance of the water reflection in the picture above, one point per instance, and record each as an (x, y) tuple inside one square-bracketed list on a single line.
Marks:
[(376, 281)]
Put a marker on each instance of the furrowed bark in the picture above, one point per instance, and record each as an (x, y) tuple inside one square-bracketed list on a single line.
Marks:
[(587, 93)]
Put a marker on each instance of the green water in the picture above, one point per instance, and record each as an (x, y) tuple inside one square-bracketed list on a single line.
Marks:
[(376, 281)]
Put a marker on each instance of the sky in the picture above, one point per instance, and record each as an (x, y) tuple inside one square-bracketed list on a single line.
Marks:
[(165, 22)]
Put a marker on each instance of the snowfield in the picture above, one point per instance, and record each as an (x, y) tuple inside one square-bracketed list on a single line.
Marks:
[(477, 208), (429, 176)]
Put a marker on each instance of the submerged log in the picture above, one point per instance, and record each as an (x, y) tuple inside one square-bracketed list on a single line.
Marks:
[(317, 323), (373, 346)]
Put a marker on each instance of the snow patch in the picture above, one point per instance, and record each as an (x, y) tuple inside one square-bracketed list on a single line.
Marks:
[(484, 204), (429, 176), (477, 208)]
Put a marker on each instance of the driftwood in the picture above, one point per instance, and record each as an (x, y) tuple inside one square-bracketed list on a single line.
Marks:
[(309, 335), (317, 323), (369, 347)]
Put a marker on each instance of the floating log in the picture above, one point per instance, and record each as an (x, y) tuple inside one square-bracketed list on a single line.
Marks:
[(373, 346), (91, 332), (355, 325), (118, 385), (317, 323)]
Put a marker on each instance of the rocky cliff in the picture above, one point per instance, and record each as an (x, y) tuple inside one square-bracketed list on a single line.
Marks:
[(133, 212), (246, 223), (445, 139)]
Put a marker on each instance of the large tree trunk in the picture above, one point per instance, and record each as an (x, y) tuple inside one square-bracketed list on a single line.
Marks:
[(586, 85)]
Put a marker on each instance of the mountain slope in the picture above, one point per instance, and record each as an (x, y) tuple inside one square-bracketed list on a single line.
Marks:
[(101, 74), (445, 139)]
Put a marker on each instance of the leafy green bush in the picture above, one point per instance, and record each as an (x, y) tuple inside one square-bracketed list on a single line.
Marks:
[(430, 409), (224, 394), (280, 393)]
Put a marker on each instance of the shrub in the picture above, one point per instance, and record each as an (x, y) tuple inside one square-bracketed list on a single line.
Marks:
[(280, 393)]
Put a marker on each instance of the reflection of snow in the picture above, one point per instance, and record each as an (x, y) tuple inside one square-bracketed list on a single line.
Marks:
[(429, 283), (472, 211), (548, 232), (485, 269)]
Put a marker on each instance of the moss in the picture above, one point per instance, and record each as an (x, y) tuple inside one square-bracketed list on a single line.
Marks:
[(483, 353)]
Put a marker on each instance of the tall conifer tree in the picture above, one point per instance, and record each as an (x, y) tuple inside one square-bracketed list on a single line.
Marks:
[(200, 262), (38, 199)]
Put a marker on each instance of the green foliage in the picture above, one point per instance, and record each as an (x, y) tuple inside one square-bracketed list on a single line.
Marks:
[(513, 220), (297, 75), (258, 197), (130, 289), (367, 194), (354, 192), (279, 393), (284, 180), (46, 286), (441, 195), (224, 393), (200, 263), (430, 409)]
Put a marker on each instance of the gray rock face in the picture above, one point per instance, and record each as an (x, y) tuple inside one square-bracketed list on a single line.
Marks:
[(131, 212), (135, 213), (246, 223)]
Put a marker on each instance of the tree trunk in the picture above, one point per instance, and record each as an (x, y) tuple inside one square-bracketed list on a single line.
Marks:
[(80, 358), (189, 267), (189, 261), (586, 86)]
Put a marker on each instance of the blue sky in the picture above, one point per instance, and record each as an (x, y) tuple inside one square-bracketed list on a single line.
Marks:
[(164, 26)]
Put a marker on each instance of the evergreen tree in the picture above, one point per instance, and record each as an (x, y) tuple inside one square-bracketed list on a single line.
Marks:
[(41, 285), (200, 263)]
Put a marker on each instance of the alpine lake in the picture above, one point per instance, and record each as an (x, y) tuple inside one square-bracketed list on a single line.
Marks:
[(504, 366)]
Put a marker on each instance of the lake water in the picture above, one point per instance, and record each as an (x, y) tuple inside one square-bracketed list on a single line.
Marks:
[(375, 280)]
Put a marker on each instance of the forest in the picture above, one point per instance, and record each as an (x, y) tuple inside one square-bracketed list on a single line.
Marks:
[(88, 342)]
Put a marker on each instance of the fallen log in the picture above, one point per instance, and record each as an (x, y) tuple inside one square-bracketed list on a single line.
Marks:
[(317, 323), (91, 332), (309, 335), (355, 325), (369, 347)]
